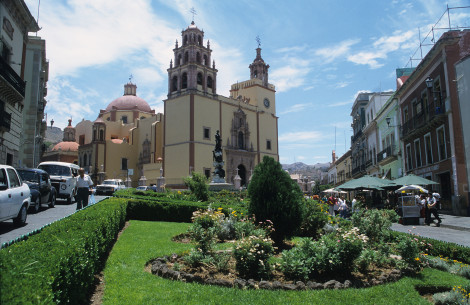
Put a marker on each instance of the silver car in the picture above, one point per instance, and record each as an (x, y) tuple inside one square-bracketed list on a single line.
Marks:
[(14, 196)]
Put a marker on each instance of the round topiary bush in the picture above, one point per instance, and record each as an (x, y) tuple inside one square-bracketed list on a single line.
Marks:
[(276, 197)]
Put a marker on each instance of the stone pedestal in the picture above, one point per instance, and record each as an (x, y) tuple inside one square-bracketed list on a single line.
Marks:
[(160, 184), (142, 181), (237, 182), (216, 187)]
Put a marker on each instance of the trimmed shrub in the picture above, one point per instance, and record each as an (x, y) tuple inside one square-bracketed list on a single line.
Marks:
[(198, 186), (315, 217), (275, 197), (436, 247), (58, 265), (374, 223), (162, 210)]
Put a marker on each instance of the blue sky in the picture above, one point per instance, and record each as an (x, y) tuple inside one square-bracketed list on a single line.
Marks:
[(321, 55)]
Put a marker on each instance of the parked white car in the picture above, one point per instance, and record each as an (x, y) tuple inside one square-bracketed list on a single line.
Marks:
[(14, 196), (109, 186), (63, 178)]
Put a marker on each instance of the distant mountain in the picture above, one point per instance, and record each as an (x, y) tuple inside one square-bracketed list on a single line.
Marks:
[(313, 171), (54, 135)]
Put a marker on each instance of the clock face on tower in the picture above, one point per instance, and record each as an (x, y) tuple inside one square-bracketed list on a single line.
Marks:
[(266, 103)]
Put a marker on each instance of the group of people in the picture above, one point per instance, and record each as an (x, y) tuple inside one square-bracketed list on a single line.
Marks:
[(337, 205), (429, 205)]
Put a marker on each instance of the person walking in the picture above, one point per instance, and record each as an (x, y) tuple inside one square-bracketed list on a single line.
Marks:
[(331, 205), (432, 206), (84, 187)]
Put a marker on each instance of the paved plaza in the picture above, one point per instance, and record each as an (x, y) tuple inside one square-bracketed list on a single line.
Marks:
[(455, 229)]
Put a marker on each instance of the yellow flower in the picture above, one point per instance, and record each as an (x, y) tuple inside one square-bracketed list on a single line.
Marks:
[(417, 259)]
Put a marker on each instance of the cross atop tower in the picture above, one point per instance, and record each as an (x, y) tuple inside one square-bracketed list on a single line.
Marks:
[(193, 11), (258, 40), (130, 78)]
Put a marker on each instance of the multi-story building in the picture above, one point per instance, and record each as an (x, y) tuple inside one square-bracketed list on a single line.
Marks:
[(463, 84), (388, 120), (432, 130), (376, 102), (34, 125), (343, 168), (364, 139), (17, 21)]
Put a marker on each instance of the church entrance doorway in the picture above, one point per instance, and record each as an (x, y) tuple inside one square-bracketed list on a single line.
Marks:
[(242, 174)]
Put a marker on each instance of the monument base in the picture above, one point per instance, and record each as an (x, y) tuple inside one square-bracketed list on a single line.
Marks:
[(217, 187)]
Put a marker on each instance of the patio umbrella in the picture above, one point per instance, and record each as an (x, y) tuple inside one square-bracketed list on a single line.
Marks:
[(413, 179), (332, 190), (366, 182), (411, 187)]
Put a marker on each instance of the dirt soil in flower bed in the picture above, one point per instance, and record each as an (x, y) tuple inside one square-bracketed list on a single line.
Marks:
[(206, 273)]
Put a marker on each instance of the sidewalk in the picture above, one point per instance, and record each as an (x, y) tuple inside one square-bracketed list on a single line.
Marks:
[(455, 229)]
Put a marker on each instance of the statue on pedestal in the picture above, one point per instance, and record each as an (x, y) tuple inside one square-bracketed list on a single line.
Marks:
[(219, 172)]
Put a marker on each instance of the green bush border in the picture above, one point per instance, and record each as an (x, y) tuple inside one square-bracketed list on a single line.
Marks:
[(59, 264)]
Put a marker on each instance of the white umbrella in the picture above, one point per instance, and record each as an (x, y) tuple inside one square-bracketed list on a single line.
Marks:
[(411, 187)]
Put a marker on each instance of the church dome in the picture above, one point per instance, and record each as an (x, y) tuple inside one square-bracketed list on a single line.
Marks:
[(66, 146), (129, 101)]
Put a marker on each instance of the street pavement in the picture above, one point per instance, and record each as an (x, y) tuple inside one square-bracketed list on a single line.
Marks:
[(46, 215), (455, 229)]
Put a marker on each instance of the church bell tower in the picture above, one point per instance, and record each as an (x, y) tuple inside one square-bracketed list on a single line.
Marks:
[(259, 69), (191, 70)]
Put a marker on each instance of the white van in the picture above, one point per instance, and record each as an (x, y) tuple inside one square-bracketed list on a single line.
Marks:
[(63, 178)]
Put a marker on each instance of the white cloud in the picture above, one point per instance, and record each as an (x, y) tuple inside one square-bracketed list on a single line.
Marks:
[(340, 50), (102, 32), (381, 47), (296, 108), (147, 76), (340, 104), (293, 49), (342, 84), (301, 136), (290, 76)]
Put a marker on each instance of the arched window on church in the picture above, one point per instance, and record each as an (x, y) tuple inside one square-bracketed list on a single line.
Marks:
[(184, 83), (255, 73), (186, 57), (174, 84), (94, 134), (199, 78), (101, 135), (241, 140), (198, 58), (206, 61), (180, 58), (199, 39), (185, 40), (84, 160), (209, 82)]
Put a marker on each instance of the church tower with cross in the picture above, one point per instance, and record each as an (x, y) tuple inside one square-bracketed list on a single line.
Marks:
[(191, 69), (246, 120)]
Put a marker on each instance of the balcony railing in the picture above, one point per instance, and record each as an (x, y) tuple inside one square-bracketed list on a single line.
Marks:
[(386, 153), (434, 110), (11, 77), (358, 169), (356, 136)]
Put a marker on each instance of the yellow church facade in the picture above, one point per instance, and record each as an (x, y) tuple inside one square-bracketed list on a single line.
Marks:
[(194, 112), (129, 135)]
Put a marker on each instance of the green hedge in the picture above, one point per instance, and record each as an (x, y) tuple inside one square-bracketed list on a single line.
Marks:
[(58, 264), (156, 210), (438, 247)]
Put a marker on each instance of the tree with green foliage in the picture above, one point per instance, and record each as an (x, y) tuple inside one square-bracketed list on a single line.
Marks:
[(197, 184), (276, 197)]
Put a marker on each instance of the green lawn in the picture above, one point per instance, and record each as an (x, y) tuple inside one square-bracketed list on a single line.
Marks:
[(126, 282)]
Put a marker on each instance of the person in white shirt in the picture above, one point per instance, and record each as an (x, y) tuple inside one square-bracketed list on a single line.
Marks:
[(343, 208), (84, 187)]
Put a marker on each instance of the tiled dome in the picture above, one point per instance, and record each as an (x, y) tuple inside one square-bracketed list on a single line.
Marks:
[(129, 101), (66, 146)]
